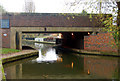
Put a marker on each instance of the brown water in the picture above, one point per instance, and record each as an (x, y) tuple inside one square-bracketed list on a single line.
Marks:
[(57, 64)]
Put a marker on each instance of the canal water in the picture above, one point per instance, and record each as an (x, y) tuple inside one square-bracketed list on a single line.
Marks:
[(52, 63)]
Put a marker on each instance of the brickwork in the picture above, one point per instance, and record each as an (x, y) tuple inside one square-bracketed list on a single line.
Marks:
[(51, 21), (33, 20), (101, 42), (5, 38)]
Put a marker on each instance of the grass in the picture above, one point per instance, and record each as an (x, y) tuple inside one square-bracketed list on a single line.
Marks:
[(3, 74), (2, 71), (8, 50)]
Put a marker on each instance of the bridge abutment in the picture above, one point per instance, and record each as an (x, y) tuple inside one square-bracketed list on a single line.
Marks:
[(13, 39), (19, 40), (16, 39)]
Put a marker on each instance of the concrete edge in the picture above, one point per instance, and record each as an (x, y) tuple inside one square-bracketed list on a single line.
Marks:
[(15, 58), (85, 52)]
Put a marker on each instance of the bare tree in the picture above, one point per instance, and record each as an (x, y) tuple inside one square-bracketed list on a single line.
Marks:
[(103, 7), (2, 10), (29, 6)]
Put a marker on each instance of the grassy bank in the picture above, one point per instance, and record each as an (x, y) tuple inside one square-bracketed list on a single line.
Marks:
[(8, 50), (3, 78)]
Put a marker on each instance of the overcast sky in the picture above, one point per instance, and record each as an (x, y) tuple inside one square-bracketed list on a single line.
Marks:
[(41, 6), (46, 6)]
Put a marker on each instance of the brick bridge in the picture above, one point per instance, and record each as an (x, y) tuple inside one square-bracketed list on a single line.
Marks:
[(18, 23)]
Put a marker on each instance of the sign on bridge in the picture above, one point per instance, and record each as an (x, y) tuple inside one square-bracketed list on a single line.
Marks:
[(4, 23)]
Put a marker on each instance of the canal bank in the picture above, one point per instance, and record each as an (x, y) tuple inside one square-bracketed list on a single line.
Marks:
[(88, 52), (19, 55), (57, 64), (11, 57), (2, 74), (29, 53)]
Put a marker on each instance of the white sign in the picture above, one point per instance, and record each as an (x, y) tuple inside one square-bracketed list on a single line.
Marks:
[(5, 34)]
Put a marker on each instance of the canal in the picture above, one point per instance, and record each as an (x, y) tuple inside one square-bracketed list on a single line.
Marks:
[(52, 63)]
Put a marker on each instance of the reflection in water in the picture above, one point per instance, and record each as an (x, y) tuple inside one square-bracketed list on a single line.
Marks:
[(88, 71), (72, 65), (46, 54), (49, 56), (101, 67), (14, 71), (39, 45), (0, 69), (119, 68), (63, 65)]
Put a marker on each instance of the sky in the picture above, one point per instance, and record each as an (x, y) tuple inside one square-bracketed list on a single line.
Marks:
[(46, 6), (41, 6)]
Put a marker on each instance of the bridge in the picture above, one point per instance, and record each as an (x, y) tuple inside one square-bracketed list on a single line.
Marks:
[(20, 23)]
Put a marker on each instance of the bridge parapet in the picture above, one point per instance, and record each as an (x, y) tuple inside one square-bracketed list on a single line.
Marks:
[(51, 20)]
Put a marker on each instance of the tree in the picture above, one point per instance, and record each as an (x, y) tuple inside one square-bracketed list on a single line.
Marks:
[(84, 12), (118, 24), (103, 7), (2, 10), (29, 6)]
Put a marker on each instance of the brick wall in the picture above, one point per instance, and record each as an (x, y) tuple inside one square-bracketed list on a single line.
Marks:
[(5, 39), (101, 42), (47, 21), (38, 20)]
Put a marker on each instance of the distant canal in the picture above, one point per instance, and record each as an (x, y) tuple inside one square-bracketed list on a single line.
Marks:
[(57, 64)]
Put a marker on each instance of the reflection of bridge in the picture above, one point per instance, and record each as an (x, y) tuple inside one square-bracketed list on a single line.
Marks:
[(30, 44), (48, 23), (96, 66), (34, 45)]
